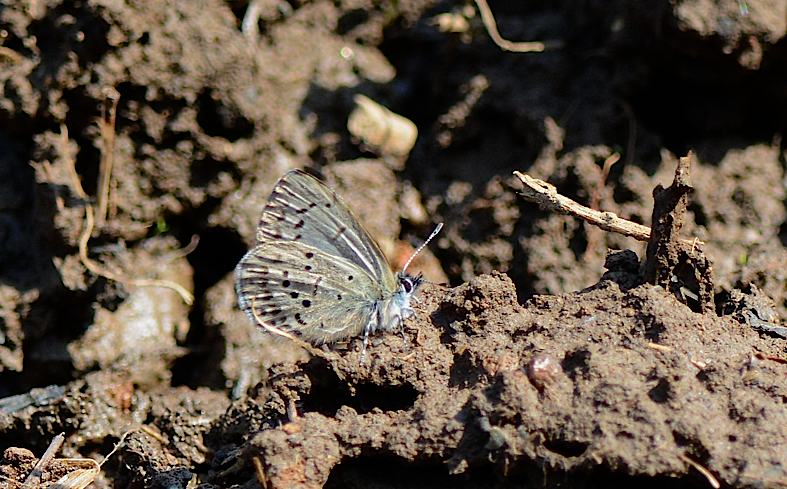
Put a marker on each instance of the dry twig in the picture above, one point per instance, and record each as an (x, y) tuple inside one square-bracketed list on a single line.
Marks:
[(491, 27), (106, 126), (34, 478), (547, 197), (90, 222)]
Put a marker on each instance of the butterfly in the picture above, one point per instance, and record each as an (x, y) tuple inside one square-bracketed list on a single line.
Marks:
[(316, 272)]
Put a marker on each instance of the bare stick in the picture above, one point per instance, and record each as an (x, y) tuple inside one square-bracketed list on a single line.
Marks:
[(491, 27), (702, 470), (90, 222), (34, 479), (106, 126), (547, 197)]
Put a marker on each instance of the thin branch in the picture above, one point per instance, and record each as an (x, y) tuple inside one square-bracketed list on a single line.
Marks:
[(491, 27), (34, 478), (547, 197)]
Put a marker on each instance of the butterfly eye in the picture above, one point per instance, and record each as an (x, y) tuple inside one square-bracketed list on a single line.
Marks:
[(407, 284)]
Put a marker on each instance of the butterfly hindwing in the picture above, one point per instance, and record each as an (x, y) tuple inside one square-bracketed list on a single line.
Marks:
[(303, 209), (296, 287)]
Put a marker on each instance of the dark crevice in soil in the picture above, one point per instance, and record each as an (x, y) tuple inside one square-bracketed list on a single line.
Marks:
[(328, 393), (216, 255), (695, 105), (220, 120), (59, 32), (331, 108), (566, 448), (465, 372), (390, 472)]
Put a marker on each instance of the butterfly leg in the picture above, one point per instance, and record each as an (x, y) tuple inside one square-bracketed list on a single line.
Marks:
[(401, 330), (367, 330)]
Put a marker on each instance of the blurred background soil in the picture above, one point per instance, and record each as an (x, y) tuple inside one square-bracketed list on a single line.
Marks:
[(199, 107)]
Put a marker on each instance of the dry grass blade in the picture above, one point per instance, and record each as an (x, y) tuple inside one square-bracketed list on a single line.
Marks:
[(702, 470), (79, 478), (491, 27), (90, 222)]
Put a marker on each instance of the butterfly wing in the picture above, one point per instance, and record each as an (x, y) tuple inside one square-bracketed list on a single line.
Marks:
[(299, 288), (303, 209)]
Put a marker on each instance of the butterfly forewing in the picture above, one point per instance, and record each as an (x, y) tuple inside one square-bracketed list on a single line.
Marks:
[(302, 209), (296, 287)]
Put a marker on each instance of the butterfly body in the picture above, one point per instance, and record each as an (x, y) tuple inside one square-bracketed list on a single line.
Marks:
[(316, 272)]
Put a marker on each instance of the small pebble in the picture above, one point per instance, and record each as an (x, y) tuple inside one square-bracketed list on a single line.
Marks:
[(543, 370)]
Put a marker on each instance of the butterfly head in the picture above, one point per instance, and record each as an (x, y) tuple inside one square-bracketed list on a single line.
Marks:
[(408, 284)]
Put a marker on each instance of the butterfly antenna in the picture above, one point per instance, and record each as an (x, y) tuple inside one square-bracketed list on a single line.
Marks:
[(421, 248)]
